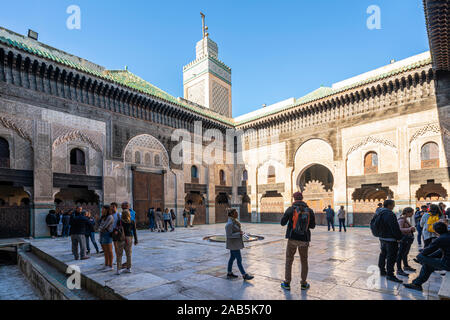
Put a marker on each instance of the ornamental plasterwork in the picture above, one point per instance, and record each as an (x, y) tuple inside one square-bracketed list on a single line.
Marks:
[(371, 139), (76, 135), (431, 127), (314, 187), (9, 124), (147, 142)]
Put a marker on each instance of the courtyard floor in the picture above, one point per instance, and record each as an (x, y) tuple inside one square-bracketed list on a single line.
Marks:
[(181, 265)]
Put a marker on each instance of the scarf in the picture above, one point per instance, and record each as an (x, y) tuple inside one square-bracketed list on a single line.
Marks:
[(236, 221)]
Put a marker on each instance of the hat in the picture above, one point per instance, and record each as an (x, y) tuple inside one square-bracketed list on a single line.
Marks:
[(298, 196)]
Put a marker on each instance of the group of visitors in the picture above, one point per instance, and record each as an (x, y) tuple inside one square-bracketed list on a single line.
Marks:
[(115, 228), (58, 223), (160, 221), (330, 215), (396, 236), (118, 228), (189, 215)]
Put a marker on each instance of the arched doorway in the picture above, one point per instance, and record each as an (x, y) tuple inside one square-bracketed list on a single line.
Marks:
[(14, 212), (316, 182), (222, 206), (430, 192), (245, 212), (67, 199), (198, 202), (272, 206), (365, 202)]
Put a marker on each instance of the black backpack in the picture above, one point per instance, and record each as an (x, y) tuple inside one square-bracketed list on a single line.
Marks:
[(300, 221), (375, 224)]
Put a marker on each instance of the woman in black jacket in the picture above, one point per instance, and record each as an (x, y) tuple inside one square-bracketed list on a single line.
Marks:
[(90, 232)]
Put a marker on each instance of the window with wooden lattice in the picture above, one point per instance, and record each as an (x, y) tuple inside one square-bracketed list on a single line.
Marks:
[(371, 163), (429, 155)]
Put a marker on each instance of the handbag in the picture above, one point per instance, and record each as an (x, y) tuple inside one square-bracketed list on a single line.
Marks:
[(118, 233)]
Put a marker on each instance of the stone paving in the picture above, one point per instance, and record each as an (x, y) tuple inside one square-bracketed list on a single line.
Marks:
[(14, 285), (182, 266)]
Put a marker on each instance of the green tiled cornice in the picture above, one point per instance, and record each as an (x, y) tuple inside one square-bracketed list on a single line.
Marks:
[(122, 78), (324, 92)]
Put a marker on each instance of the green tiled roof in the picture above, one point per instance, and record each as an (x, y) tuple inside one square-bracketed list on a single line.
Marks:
[(124, 78), (324, 92)]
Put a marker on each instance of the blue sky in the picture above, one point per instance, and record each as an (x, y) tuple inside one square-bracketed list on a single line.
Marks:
[(276, 49)]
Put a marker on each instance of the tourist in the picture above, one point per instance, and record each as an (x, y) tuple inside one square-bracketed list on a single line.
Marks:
[(126, 206), (435, 257), (167, 220), (235, 243), (78, 225), (389, 235), (330, 217), (174, 218), (406, 242), (59, 226), (151, 219), (90, 233), (129, 231), (379, 207), (66, 223), (299, 219), (159, 220), (192, 212), (442, 207), (186, 215), (116, 216), (417, 217), (52, 223), (427, 222), (105, 229), (341, 217)]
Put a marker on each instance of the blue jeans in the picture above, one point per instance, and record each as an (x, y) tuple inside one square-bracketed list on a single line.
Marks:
[(65, 230), (330, 222), (152, 224), (92, 237), (342, 224), (235, 254), (186, 219), (419, 234), (429, 264)]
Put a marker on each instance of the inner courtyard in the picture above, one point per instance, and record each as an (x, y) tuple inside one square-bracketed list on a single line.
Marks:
[(181, 265)]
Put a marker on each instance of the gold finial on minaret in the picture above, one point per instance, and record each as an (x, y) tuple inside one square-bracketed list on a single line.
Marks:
[(204, 27)]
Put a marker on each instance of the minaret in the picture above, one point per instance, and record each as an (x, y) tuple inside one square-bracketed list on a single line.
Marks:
[(207, 80)]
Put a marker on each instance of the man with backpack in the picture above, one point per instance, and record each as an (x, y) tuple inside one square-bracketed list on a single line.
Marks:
[(329, 212), (384, 225), (299, 219)]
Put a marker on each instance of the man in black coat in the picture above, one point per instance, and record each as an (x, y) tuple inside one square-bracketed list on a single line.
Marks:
[(296, 241), (78, 225), (52, 223), (390, 234)]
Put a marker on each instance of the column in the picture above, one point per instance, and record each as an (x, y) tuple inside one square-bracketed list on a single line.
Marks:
[(43, 177)]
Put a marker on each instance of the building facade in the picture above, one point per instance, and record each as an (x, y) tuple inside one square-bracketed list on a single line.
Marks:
[(73, 132)]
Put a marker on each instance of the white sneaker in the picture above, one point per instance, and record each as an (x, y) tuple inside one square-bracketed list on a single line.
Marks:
[(127, 271), (117, 272)]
